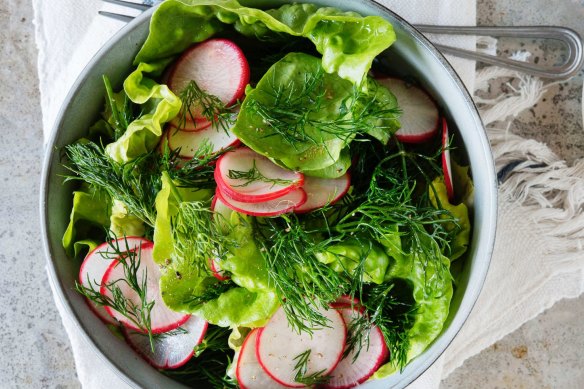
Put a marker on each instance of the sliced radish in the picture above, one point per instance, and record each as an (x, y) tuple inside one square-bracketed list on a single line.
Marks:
[(446, 167), (352, 371), (346, 301), (420, 118), (272, 181), (323, 191), (162, 319), (216, 270), (96, 264), (281, 205), (218, 66), (190, 141), (198, 124), (171, 350), (278, 344), (249, 372)]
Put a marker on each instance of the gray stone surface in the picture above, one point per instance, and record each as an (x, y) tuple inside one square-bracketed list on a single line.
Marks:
[(35, 350), (546, 352)]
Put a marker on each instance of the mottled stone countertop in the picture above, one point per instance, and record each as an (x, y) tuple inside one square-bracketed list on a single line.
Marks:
[(546, 352)]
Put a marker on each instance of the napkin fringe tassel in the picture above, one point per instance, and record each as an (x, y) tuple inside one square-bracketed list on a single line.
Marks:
[(529, 173)]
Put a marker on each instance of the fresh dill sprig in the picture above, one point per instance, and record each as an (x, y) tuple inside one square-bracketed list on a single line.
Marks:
[(138, 314), (197, 103), (253, 175), (197, 172), (393, 317), (301, 369), (206, 372), (216, 339), (212, 292), (197, 237), (302, 282), (135, 183)]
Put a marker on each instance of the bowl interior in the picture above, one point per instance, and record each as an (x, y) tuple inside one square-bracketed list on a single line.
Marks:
[(411, 55)]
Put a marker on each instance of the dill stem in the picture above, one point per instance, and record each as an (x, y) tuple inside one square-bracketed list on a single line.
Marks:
[(112, 102), (173, 188)]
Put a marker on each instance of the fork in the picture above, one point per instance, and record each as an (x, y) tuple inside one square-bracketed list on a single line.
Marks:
[(572, 41)]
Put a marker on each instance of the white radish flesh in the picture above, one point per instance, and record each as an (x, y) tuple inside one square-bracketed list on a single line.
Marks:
[(420, 116), (446, 166), (281, 205), (218, 66), (271, 181), (96, 264), (323, 191), (162, 319), (171, 350), (278, 344), (249, 372), (352, 371), (188, 124), (190, 141)]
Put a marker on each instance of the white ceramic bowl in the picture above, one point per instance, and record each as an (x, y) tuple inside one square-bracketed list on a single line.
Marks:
[(412, 53)]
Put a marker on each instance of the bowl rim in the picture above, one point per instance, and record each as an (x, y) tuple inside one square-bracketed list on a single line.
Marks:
[(469, 299)]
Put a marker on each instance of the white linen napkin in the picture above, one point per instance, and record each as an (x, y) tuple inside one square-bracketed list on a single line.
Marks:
[(525, 277)]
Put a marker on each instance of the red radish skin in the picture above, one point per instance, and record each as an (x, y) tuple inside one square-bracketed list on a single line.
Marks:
[(420, 117), (189, 125), (249, 372), (189, 141), (323, 191), (446, 167), (346, 299), (96, 264), (278, 344), (276, 207), (218, 66), (161, 317), (171, 351), (216, 270), (350, 373), (244, 159)]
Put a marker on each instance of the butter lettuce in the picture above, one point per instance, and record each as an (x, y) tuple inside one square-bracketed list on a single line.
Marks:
[(123, 223), (143, 134), (347, 256), (90, 213), (347, 41), (460, 242), (240, 307), (308, 148), (431, 291)]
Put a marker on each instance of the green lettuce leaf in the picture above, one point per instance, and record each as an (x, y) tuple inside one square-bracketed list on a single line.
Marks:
[(379, 99), (240, 307), (244, 262), (123, 223), (90, 217), (461, 241), (346, 257), (83, 247), (313, 148), (348, 42), (143, 134), (432, 292), (337, 169)]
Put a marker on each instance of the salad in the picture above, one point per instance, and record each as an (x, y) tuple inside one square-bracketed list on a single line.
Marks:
[(263, 205)]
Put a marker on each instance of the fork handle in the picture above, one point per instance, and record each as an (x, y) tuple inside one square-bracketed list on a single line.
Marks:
[(568, 37)]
